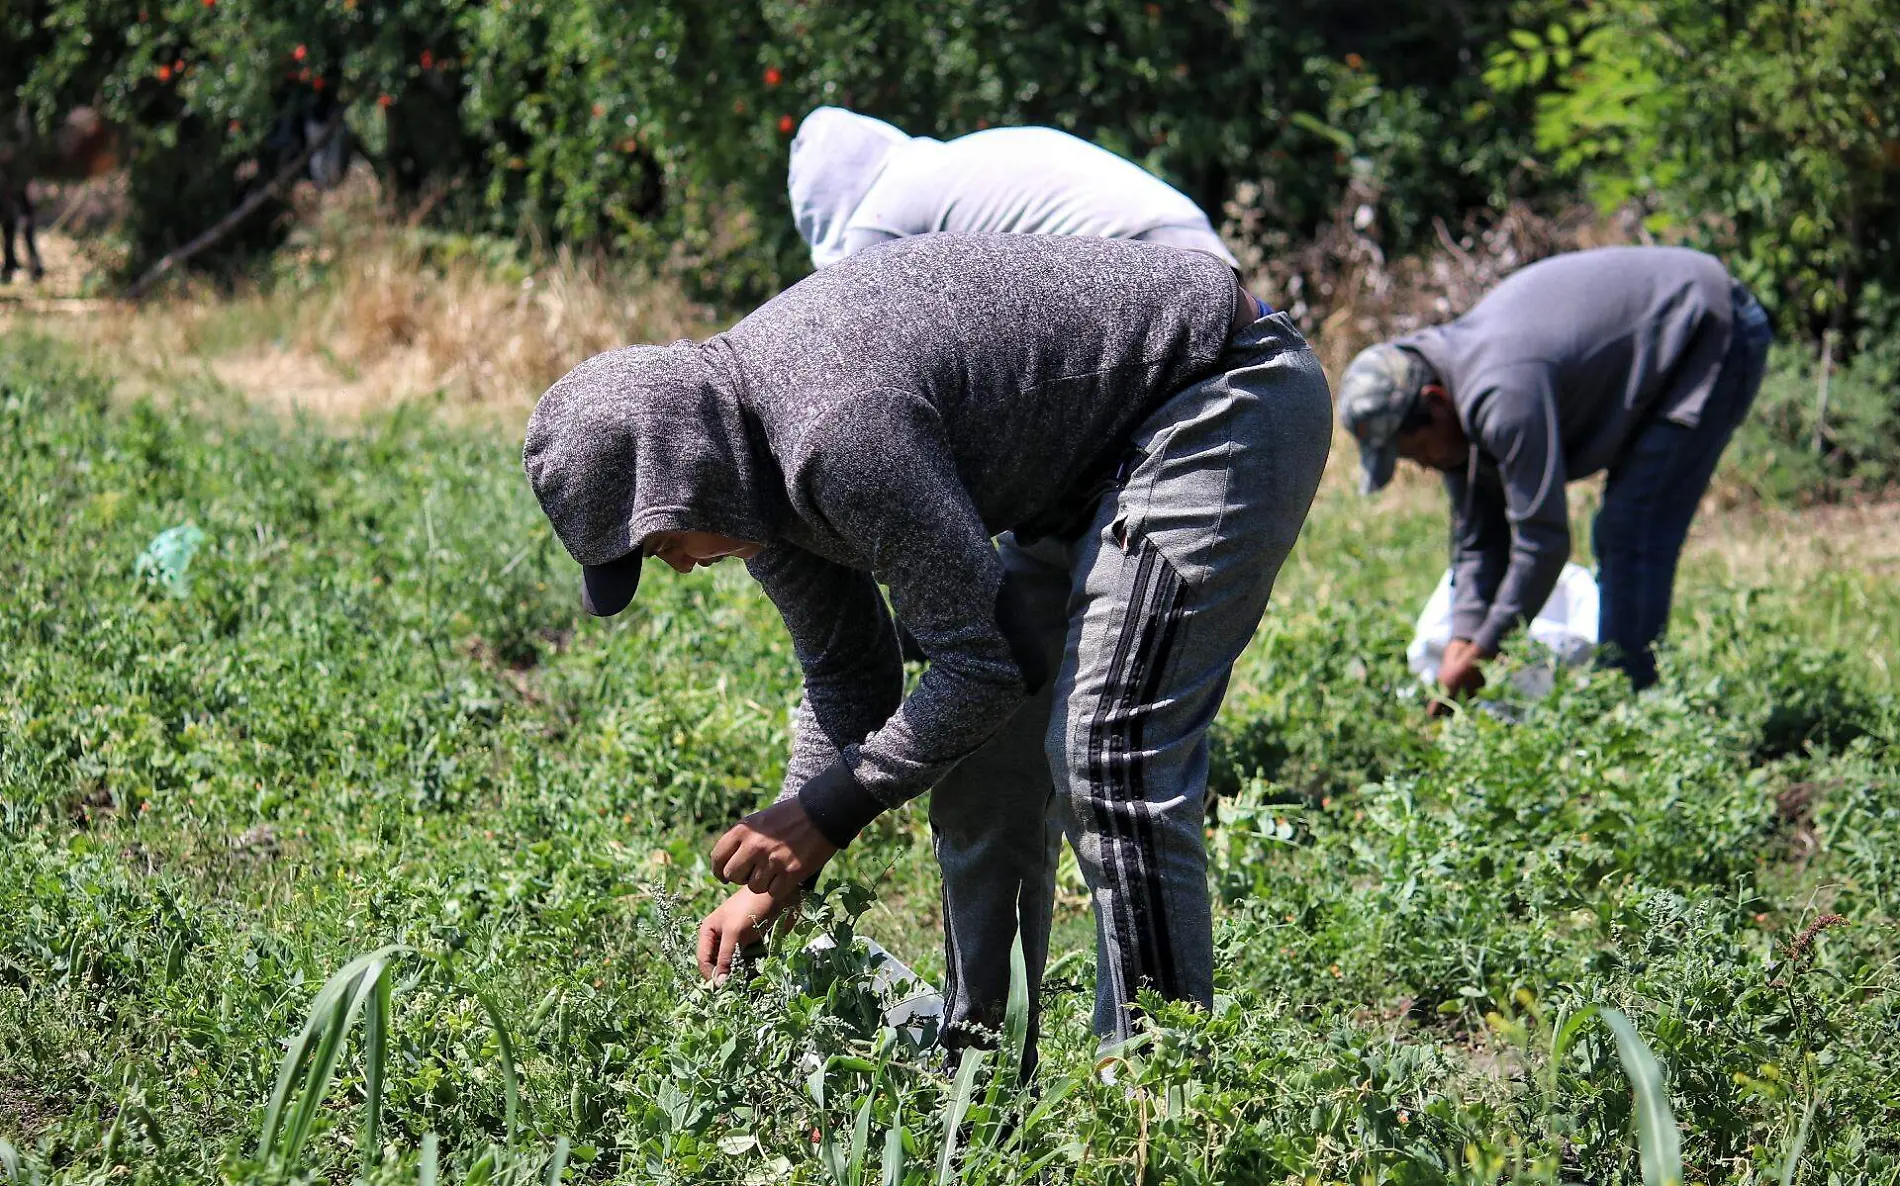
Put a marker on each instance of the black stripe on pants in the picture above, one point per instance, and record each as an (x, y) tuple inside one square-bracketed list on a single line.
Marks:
[(1117, 774)]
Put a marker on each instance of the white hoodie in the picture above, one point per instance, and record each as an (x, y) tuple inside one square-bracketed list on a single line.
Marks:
[(856, 181)]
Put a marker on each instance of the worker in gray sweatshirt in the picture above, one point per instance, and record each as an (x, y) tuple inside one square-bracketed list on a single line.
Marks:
[(855, 181), (1638, 361), (1143, 446)]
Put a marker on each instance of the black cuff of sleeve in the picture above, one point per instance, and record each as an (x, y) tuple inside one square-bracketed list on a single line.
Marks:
[(839, 808)]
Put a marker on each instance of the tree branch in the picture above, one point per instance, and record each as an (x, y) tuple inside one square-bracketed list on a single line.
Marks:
[(225, 225)]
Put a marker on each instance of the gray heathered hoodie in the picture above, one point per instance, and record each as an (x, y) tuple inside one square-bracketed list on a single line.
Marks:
[(1553, 372), (878, 423)]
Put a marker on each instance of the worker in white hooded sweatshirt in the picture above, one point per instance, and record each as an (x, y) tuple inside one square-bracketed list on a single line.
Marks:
[(857, 181)]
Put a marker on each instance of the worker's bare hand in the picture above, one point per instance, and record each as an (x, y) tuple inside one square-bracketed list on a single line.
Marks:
[(739, 922), (1458, 671), (772, 851)]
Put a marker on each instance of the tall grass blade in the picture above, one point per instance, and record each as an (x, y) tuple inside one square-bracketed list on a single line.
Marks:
[(313, 1054), (1016, 1013), (960, 1093), (319, 1066), (510, 1080), (1013, 1051), (329, 1052), (861, 1140), (557, 1163), (815, 1084), (894, 1155), (827, 1145), (1562, 1035), (1793, 1163), (830, 1155), (1657, 1138), (1566, 1031), (428, 1172), (1052, 1098), (310, 1065), (1033, 1171), (299, 1052), (10, 1161), (375, 1055)]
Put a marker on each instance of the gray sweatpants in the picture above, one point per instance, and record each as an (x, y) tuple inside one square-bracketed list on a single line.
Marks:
[(1143, 616)]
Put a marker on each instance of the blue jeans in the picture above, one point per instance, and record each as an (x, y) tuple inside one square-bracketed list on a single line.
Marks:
[(1651, 498)]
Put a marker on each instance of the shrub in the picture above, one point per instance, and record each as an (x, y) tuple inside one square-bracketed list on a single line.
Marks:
[(1767, 130), (661, 128), (1791, 448)]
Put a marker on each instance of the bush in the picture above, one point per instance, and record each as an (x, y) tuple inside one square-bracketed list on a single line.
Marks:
[(661, 128), (1767, 130), (1787, 450)]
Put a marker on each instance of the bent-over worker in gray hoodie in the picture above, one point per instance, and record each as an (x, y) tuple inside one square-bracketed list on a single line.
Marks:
[(1145, 448), (1639, 361), (856, 181)]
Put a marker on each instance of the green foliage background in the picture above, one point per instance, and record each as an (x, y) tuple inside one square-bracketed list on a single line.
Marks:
[(1766, 130), (658, 127)]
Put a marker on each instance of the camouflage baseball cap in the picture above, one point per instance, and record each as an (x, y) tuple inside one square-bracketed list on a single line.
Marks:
[(1375, 397)]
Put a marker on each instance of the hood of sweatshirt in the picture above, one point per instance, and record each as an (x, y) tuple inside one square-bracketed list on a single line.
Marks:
[(836, 156), (641, 440)]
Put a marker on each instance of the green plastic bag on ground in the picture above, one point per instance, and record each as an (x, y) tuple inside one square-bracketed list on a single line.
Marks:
[(166, 561)]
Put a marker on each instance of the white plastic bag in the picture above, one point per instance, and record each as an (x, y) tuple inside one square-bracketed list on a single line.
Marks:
[(1567, 626), (912, 1000)]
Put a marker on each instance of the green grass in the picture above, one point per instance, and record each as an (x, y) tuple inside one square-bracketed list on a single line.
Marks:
[(377, 729)]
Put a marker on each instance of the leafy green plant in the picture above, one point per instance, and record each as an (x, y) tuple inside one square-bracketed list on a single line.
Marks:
[(1766, 130), (213, 806), (362, 988)]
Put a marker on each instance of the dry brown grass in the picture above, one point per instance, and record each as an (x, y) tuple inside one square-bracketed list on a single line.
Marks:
[(481, 338), (1345, 293), (367, 311), (1759, 544)]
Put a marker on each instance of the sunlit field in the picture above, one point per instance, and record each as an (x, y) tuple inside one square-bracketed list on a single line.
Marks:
[(369, 720)]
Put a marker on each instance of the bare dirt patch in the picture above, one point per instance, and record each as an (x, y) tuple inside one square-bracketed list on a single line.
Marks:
[(63, 290), (24, 1110), (290, 380)]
